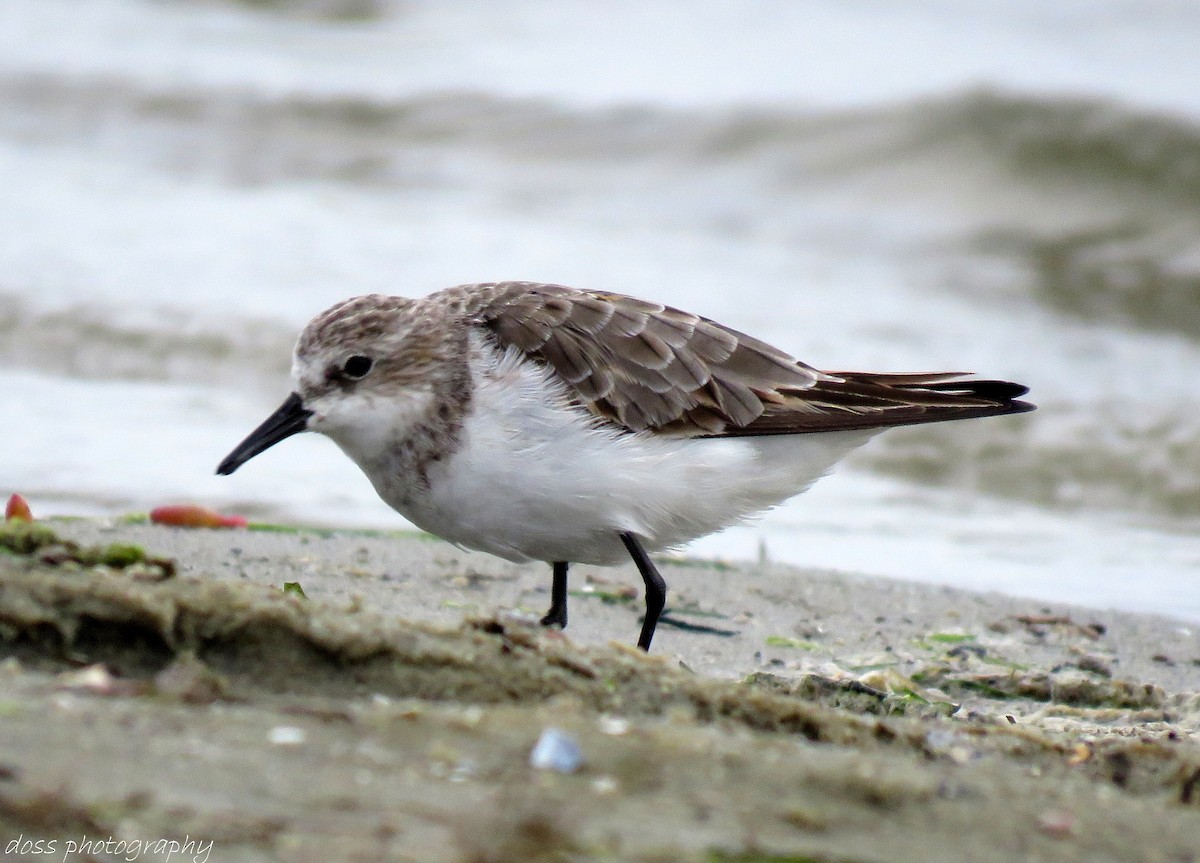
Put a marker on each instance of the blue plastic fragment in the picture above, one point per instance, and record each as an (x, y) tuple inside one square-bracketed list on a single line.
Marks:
[(557, 751)]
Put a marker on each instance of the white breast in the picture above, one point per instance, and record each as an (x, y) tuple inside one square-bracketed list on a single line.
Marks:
[(537, 478)]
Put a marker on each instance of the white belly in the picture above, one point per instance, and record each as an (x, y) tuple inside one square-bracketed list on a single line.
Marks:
[(535, 479)]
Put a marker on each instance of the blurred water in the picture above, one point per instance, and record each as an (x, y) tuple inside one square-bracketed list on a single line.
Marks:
[(1007, 188)]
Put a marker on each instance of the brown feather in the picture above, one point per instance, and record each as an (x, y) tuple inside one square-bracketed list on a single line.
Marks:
[(647, 366)]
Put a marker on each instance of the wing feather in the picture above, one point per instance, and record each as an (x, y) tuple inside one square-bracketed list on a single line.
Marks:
[(649, 351), (646, 366)]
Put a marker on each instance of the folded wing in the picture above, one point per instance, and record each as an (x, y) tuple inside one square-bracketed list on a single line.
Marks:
[(646, 366)]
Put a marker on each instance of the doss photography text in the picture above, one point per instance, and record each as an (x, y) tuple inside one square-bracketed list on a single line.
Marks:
[(122, 849)]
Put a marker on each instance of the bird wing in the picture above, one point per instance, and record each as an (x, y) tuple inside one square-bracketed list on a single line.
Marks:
[(646, 366)]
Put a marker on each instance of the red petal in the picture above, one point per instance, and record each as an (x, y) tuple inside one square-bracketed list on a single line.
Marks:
[(191, 515), (17, 509)]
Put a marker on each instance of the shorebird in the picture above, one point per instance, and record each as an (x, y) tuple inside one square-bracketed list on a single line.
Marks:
[(540, 422)]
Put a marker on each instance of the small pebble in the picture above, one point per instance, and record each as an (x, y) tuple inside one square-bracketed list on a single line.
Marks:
[(604, 785), (962, 651), (1056, 824), (960, 754), (286, 735), (1094, 664), (470, 716), (95, 679), (556, 751), (613, 726)]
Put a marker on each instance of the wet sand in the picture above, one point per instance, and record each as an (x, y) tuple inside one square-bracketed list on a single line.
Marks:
[(785, 715)]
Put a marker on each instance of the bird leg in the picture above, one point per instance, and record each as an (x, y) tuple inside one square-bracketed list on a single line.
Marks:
[(656, 589), (558, 597)]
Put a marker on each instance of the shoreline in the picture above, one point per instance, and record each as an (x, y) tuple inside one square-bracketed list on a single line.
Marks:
[(802, 715), (410, 575)]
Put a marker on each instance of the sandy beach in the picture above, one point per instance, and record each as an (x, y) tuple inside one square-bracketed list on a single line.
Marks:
[(159, 684)]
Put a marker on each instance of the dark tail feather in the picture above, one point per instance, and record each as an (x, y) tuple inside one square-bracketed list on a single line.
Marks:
[(951, 383), (862, 400), (993, 391)]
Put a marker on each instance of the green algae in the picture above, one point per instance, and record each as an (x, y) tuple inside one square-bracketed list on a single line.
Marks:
[(33, 540), (120, 555), (792, 643), (25, 537), (949, 638)]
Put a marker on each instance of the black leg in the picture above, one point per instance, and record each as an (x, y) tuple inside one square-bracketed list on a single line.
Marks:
[(558, 597), (656, 589)]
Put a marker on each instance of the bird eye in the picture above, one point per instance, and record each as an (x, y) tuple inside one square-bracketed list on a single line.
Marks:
[(357, 367)]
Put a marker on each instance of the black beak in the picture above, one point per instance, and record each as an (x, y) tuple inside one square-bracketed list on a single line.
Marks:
[(289, 419)]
